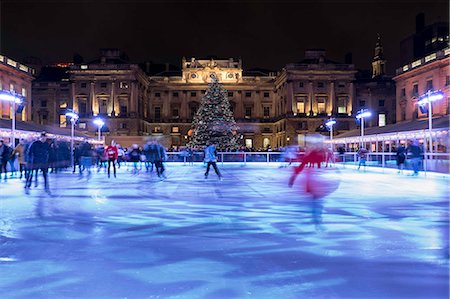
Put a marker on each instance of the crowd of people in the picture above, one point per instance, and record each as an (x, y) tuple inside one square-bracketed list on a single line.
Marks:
[(44, 155)]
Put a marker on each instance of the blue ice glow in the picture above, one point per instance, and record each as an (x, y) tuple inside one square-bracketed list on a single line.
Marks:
[(248, 236)]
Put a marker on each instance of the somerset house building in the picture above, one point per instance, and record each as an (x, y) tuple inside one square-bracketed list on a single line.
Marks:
[(141, 100)]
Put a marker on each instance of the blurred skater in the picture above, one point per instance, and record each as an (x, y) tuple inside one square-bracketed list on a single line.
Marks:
[(211, 159)]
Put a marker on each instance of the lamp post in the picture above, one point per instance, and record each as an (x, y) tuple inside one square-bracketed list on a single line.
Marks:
[(330, 123), (73, 119), (425, 99), (363, 113), (13, 99), (100, 123)]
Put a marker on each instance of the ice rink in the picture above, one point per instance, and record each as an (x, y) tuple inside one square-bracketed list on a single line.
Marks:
[(248, 236)]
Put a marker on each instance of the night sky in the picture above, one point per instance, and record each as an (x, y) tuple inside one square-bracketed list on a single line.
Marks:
[(266, 34)]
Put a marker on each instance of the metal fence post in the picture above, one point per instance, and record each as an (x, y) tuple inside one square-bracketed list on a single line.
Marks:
[(268, 158), (221, 155), (245, 158)]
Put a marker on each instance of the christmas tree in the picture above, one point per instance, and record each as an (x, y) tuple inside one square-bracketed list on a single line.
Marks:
[(214, 121)]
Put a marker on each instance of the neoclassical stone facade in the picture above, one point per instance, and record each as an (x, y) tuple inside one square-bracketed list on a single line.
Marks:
[(271, 109), (15, 77)]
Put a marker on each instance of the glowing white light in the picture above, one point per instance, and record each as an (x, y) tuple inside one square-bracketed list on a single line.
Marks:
[(330, 123), (363, 114), (432, 97), (99, 122), (72, 115), (6, 96)]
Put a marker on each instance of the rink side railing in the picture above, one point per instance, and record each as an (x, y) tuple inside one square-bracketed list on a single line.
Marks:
[(436, 162)]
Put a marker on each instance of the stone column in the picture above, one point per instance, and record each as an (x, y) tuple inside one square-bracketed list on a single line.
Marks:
[(133, 97), (331, 103), (310, 106), (167, 102), (112, 105), (74, 99), (184, 105), (350, 99), (290, 96), (94, 102)]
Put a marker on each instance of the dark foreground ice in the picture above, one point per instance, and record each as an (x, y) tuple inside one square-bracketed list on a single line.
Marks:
[(248, 236)]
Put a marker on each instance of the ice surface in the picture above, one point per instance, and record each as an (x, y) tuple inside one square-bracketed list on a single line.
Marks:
[(248, 236)]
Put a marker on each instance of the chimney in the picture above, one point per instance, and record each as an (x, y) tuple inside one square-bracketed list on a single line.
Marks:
[(147, 67), (348, 59), (167, 66), (420, 22)]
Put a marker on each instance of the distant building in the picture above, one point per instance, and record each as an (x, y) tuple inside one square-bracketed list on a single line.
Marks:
[(376, 91), (15, 77), (425, 40), (308, 93), (431, 72)]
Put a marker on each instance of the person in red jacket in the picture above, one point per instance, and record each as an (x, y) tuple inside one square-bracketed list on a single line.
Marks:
[(112, 153)]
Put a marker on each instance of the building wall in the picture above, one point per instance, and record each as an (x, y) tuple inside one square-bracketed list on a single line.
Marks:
[(15, 77), (413, 80)]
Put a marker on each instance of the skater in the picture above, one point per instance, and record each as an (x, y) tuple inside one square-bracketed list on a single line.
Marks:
[(400, 157), (148, 157), (111, 153), (38, 153), (362, 154), (415, 155), (19, 152), (159, 153), (210, 158), (86, 155), (135, 158), (5, 153)]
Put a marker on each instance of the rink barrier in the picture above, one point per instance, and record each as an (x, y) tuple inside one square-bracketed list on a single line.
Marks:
[(435, 162)]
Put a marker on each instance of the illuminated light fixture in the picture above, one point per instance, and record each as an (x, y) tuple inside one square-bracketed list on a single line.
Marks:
[(73, 119), (330, 123), (363, 113), (99, 123), (13, 98), (427, 98)]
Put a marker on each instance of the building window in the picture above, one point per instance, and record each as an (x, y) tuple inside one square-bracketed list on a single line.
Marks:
[(341, 85), (266, 111), (175, 94), (123, 109), (300, 84), (230, 94), (381, 103), (248, 112), (83, 85), (301, 107), (82, 126), (193, 94), (122, 126), (248, 94), (266, 94), (194, 109), (403, 92), (321, 107), (248, 143), (342, 109), (123, 85), (82, 107), (63, 105), (415, 91), (62, 121), (24, 91), (157, 95), (175, 130), (11, 87), (320, 84), (362, 103), (381, 120), (103, 85), (43, 104), (157, 113), (266, 142), (429, 85), (157, 130), (447, 80), (175, 113)]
